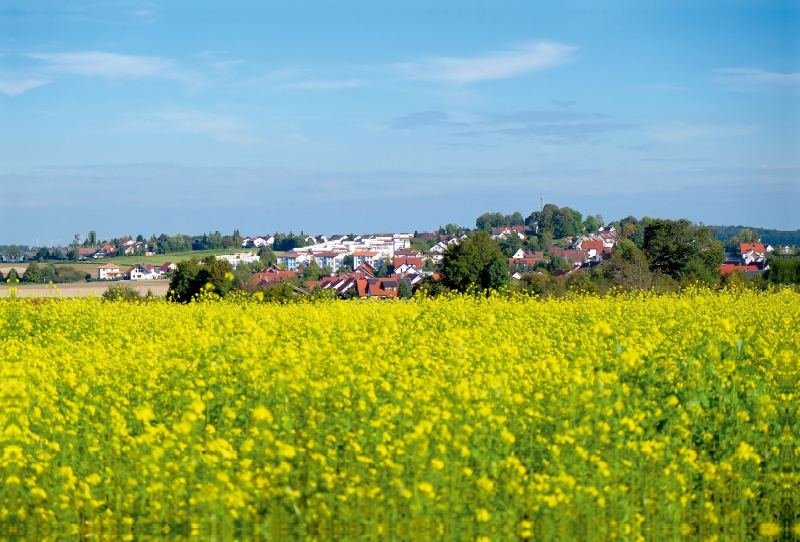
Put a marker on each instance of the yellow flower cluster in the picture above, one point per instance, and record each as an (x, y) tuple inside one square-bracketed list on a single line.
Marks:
[(495, 418)]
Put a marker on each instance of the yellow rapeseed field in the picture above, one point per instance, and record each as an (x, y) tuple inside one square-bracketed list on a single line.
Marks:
[(637, 417)]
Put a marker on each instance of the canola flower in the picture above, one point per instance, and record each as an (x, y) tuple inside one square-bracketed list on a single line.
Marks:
[(635, 417)]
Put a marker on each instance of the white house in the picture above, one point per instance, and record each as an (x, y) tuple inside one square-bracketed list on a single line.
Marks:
[(143, 271), (258, 242), (407, 269), (401, 240), (167, 267), (239, 257), (375, 259), (108, 271)]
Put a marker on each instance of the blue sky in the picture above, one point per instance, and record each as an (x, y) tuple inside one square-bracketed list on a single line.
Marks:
[(149, 117)]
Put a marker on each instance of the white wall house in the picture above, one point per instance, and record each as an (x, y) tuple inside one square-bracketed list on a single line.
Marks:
[(143, 271), (375, 259), (107, 272), (258, 242), (239, 257)]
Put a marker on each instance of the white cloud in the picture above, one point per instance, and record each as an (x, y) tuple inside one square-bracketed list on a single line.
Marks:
[(756, 76), (322, 85), (682, 132), (16, 86), (100, 64), (496, 65)]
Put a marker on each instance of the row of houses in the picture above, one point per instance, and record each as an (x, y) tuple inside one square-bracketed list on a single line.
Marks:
[(128, 248), (331, 252), (140, 271), (361, 282)]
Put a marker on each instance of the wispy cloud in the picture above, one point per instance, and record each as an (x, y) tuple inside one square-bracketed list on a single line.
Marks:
[(756, 76), (14, 85), (421, 118), (99, 64), (322, 85), (546, 127), (223, 128), (563, 103), (495, 65), (683, 132)]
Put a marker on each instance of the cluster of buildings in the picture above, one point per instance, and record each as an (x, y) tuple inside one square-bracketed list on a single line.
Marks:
[(140, 271), (360, 282), (752, 260), (584, 251), (128, 248), (331, 252)]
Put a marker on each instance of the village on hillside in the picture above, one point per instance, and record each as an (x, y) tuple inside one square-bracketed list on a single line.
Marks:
[(351, 264), (382, 265)]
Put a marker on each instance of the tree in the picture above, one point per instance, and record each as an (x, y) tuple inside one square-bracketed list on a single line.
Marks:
[(43, 254), (312, 272), (49, 273), (281, 293), (628, 267), (735, 280), (33, 273), (74, 254), (593, 223), (122, 292), (237, 238), (431, 287), (682, 250), (468, 262), (419, 245), (559, 222), (783, 271), (267, 256), (91, 239), (403, 291), (12, 276), (495, 275), (453, 229), (509, 243), (192, 276), (515, 219), (67, 274), (487, 221), (386, 269), (748, 236), (348, 262)]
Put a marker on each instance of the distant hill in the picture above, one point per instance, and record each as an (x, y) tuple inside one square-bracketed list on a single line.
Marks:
[(772, 237)]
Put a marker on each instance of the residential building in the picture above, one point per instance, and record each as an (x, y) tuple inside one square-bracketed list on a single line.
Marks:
[(239, 257), (142, 271), (108, 271), (375, 259)]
